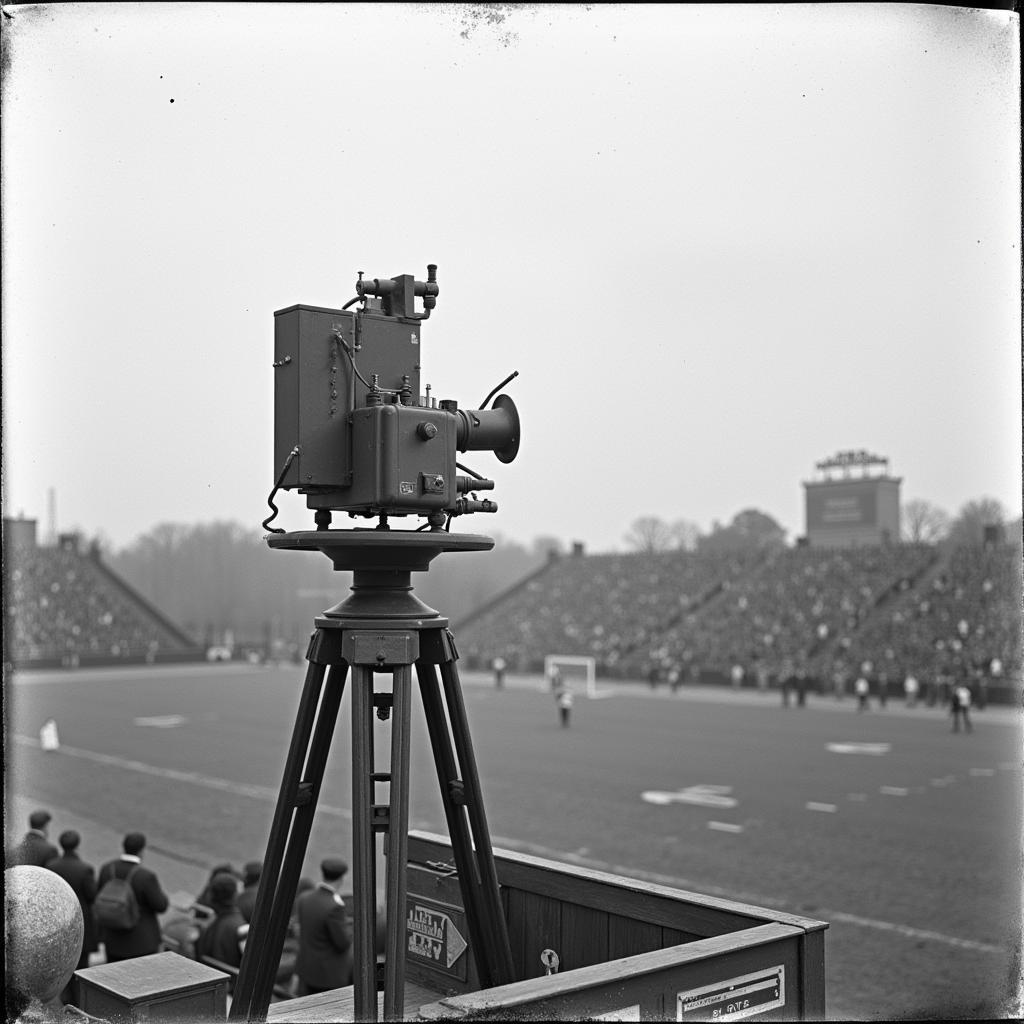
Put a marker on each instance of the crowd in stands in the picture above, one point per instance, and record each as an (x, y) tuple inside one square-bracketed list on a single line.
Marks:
[(962, 622), (607, 606), (799, 613), (60, 604), (777, 618)]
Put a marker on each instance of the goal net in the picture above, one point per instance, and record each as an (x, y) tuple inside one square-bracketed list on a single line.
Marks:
[(574, 671)]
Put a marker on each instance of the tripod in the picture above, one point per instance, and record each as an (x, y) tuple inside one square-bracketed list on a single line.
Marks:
[(381, 628)]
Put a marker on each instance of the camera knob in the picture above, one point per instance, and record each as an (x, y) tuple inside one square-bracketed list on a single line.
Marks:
[(427, 431)]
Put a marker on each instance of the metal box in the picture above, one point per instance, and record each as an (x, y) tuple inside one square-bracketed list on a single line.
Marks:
[(400, 467), (315, 389)]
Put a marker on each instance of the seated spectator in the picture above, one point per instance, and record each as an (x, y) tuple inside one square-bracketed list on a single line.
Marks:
[(205, 898), (223, 937)]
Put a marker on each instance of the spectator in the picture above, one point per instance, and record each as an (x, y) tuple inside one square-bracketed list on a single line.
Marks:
[(205, 898), (736, 675), (499, 672), (35, 848), (223, 937), (565, 706), (324, 959), (960, 707), (862, 688), (144, 937), (910, 688), (883, 687), (82, 878), (251, 883)]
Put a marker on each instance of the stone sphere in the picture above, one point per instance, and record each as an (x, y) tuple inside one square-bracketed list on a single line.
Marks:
[(43, 931)]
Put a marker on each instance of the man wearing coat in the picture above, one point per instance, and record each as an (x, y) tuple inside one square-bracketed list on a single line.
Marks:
[(82, 878), (325, 937), (144, 938), (35, 848)]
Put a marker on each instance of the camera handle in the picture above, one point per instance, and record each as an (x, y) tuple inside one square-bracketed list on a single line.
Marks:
[(398, 294)]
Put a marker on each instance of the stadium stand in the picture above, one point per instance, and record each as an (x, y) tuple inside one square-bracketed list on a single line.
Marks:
[(606, 606), (797, 611), (958, 623), (63, 607), (782, 615)]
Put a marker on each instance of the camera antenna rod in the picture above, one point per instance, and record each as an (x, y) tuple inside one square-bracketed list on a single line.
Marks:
[(511, 376)]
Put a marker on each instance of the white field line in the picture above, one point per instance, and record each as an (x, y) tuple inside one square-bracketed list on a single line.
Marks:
[(822, 913), (982, 771), (724, 826), (194, 778), (894, 790), (813, 805)]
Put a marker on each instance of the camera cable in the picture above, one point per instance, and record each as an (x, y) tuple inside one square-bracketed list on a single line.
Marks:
[(270, 500)]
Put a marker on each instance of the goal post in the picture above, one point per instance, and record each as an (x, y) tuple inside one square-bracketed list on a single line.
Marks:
[(575, 670)]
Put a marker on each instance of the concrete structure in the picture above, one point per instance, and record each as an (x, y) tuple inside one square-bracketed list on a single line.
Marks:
[(851, 503)]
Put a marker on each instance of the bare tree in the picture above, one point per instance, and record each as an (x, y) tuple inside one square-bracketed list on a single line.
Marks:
[(969, 525), (649, 534), (685, 535), (923, 522)]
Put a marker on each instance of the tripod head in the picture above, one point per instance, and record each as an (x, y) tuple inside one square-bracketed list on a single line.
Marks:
[(352, 430)]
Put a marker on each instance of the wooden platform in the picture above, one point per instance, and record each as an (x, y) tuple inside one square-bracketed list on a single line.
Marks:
[(339, 1005)]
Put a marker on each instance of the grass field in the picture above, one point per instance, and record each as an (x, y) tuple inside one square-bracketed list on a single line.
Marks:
[(910, 846)]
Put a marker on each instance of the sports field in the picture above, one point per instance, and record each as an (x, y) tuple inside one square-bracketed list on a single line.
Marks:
[(903, 836)]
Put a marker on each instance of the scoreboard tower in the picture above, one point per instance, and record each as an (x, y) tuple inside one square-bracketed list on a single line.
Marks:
[(854, 501)]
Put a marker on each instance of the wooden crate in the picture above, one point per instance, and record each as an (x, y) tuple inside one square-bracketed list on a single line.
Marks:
[(627, 949), (159, 987)]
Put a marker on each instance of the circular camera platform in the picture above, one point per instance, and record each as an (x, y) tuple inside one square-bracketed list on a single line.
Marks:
[(380, 550)]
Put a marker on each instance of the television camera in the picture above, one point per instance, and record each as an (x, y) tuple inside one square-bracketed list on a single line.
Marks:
[(352, 431)]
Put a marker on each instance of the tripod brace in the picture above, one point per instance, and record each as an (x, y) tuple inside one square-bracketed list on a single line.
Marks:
[(380, 628)]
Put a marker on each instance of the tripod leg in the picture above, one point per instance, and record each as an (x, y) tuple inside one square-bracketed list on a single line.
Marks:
[(454, 809), (398, 846), (298, 839), (364, 888), (502, 967), (275, 894)]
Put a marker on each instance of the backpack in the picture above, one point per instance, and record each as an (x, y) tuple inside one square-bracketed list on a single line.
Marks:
[(116, 907)]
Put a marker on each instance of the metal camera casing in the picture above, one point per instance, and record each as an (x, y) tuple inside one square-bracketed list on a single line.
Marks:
[(350, 424)]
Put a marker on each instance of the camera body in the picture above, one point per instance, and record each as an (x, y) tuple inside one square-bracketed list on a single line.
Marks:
[(351, 426)]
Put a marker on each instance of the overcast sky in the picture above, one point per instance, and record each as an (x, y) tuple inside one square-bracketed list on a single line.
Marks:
[(718, 243)]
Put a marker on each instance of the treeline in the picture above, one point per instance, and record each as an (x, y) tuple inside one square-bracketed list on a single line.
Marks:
[(216, 579), (922, 522), (221, 579)]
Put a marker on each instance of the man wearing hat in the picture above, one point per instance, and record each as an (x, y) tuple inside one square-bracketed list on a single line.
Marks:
[(35, 848), (251, 881), (82, 878), (144, 938), (324, 961)]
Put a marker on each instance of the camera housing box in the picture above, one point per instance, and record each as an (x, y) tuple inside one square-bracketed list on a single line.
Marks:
[(407, 459), (354, 455)]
